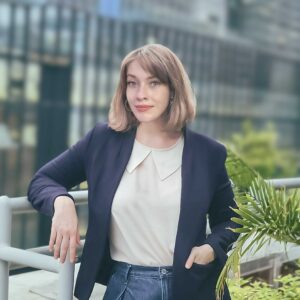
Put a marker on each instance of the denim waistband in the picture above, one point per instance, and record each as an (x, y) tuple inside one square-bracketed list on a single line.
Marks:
[(144, 271)]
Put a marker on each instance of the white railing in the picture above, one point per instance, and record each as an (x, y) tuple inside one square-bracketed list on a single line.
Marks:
[(289, 183), (34, 257), (31, 257)]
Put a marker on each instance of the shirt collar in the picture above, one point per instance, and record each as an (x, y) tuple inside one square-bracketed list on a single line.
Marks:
[(166, 160)]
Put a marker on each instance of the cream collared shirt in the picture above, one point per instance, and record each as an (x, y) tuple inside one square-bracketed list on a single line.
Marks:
[(146, 206)]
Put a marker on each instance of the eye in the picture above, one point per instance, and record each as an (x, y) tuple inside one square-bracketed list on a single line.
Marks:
[(131, 83), (154, 83)]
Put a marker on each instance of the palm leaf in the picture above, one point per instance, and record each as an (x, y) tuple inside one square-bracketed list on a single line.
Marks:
[(265, 214)]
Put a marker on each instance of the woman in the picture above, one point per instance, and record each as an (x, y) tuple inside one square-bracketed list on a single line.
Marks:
[(152, 182)]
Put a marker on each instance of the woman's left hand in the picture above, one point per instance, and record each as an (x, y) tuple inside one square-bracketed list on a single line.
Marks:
[(200, 255)]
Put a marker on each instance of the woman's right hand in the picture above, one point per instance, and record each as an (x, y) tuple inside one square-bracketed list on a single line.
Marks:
[(64, 231)]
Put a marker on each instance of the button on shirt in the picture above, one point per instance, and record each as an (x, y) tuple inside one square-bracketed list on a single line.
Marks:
[(146, 206)]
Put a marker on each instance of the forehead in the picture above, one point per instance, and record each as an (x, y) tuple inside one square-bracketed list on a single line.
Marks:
[(135, 68), (145, 68)]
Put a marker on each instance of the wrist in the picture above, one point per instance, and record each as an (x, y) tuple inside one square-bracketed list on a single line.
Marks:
[(63, 201)]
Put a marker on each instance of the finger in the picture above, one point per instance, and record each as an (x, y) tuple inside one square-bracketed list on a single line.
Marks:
[(64, 248), (190, 260), (78, 238), (57, 244), (73, 247), (52, 238)]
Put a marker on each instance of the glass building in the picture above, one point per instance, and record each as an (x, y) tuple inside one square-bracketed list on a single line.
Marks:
[(272, 25)]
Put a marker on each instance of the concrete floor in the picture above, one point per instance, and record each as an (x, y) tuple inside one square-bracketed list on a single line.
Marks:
[(39, 285)]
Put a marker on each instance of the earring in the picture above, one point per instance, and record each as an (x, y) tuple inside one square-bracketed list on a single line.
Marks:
[(171, 98), (171, 101)]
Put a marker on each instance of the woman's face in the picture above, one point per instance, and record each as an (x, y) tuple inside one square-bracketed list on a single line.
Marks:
[(147, 96)]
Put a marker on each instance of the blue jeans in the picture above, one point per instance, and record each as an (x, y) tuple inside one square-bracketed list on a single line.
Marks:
[(132, 282)]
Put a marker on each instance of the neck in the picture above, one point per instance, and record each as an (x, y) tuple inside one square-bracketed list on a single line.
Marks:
[(154, 135)]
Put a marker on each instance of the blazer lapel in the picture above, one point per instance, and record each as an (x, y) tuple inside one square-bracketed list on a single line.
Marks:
[(107, 178), (194, 197), (121, 154)]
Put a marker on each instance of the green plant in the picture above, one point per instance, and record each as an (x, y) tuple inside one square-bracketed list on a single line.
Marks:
[(289, 289), (259, 149), (242, 289), (265, 214)]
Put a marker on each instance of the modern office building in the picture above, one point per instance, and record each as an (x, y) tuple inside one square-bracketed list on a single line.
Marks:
[(272, 25)]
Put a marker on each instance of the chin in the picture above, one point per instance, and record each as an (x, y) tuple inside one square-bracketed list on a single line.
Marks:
[(144, 119), (147, 118)]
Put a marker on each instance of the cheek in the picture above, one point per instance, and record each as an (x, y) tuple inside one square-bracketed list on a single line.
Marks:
[(129, 95), (165, 100), (130, 98), (165, 96), (164, 104)]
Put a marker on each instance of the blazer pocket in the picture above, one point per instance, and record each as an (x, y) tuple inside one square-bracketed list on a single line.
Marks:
[(201, 272)]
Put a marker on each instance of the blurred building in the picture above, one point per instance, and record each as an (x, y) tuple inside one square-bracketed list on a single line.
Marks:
[(273, 25), (254, 41), (194, 15)]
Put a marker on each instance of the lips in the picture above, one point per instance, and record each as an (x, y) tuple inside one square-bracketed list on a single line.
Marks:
[(143, 107)]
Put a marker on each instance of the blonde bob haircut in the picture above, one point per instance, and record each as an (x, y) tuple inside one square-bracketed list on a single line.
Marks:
[(161, 62)]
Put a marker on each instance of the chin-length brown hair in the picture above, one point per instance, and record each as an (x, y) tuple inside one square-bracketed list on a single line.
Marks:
[(162, 63)]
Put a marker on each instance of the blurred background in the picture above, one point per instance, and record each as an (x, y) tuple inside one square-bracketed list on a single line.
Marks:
[(59, 66)]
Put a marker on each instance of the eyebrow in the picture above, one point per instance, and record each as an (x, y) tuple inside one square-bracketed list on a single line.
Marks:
[(150, 77)]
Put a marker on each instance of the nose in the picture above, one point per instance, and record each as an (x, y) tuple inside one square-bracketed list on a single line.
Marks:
[(141, 92)]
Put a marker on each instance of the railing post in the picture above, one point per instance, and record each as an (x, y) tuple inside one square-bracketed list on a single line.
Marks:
[(66, 280), (275, 270), (5, 239)]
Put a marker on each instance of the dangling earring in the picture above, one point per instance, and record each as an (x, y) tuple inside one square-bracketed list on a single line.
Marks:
[(171, 101), (126, 105), (172, 97)]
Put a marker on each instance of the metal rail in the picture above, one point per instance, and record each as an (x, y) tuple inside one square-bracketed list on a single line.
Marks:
[(31, 257), (289, 183)]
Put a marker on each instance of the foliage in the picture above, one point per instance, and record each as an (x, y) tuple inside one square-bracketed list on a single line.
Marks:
[(289, 289), (260, 151), (264, 214)]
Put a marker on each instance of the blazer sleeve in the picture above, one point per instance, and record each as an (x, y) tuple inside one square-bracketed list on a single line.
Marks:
[(58, 176), (220, 214)]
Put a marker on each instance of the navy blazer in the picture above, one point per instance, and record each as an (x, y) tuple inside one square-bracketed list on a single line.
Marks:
[(101, 158)]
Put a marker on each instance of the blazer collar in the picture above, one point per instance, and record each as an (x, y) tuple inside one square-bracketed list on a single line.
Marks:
[(166, 160)]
